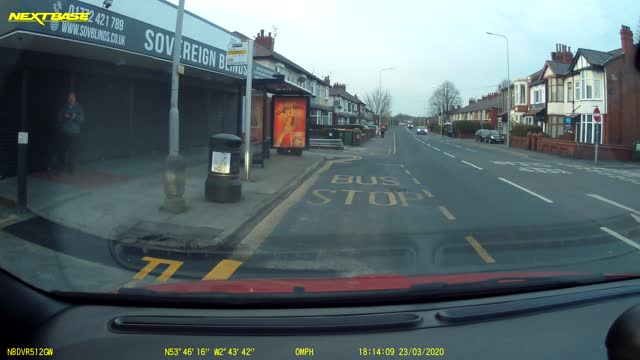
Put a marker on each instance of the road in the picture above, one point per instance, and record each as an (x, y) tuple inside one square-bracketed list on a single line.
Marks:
[(435, 205), (424, 204)]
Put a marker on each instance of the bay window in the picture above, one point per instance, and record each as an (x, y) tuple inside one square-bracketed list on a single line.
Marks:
[(588, 129), (556, 90), (591, 82)]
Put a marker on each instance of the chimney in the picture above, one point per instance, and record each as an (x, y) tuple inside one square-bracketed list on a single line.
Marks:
[(266, 41), (471, 101), (327, 80), (342, 87), (626, 38)]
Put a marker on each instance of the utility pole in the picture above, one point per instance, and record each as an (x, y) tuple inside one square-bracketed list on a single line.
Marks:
[(174, 175)]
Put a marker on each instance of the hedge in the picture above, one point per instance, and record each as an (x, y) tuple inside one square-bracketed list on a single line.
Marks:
[(469, 126), (523, 130)]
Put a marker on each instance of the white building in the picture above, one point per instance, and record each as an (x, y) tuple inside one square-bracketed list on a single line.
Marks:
[(587, 83)]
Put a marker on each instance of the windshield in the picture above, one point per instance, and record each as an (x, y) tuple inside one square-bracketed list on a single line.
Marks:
[(248, 148)]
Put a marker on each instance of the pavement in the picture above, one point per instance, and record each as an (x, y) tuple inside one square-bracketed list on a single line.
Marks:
[(411, 205)]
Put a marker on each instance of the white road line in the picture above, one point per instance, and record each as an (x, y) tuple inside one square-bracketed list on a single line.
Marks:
[(527, 190), (435, 148), (427, 144), (449, 155), (620, 237), (613, 203), (470, 150), (458, 146), (470, 164)]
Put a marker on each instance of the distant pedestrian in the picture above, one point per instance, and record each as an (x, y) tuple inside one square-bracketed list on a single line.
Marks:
[(383, 129), (70, 119)]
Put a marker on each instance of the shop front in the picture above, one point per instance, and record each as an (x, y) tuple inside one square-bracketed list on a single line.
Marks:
[(119, 67)]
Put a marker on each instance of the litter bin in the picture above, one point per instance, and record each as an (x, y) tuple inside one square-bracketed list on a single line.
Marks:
[(635, 151), (223, 179), (334, 134), (357, 137), (347, 137)]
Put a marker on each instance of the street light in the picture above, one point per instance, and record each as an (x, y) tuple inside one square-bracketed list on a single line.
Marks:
[(380, 89), (174, 175), (508, 90)]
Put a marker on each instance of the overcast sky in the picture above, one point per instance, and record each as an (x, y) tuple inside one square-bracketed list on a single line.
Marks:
[(427, 42)]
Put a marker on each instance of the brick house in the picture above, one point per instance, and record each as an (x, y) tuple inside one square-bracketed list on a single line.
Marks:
[(558, 90), (622, 83), (484, 110)]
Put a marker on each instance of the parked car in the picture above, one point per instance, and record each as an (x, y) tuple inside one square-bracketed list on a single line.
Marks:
[(493, 136), (421, 131), (481, 134)]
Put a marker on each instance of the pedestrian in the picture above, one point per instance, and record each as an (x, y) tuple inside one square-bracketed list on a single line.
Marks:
[(70, 119), (383, 128)]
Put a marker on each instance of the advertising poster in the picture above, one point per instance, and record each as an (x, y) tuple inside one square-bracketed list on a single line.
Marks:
[(290, 114), (220, 162)]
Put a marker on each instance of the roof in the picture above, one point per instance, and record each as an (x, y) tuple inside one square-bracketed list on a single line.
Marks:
[(558, 68), (536, 74), (492, 103), (344, 94)]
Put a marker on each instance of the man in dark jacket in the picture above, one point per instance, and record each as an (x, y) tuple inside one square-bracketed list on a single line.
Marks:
[(70, 120)]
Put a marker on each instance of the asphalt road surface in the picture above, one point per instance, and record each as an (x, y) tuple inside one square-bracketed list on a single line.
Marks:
[(424, 204)]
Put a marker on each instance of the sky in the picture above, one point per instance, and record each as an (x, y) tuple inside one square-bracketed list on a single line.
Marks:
[(426, 42)]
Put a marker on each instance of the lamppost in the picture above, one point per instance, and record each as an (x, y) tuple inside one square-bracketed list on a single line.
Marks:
[(380, 90), (174, 175), (508, 90)]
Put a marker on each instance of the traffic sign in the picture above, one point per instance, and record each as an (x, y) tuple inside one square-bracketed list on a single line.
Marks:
[(237, 54), (596, 115)]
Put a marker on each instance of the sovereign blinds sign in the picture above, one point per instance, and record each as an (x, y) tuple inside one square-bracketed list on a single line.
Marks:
[(117, 31)]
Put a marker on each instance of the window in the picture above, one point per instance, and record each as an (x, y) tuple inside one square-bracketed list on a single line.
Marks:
[(578, 84), (326, 93), (555, 126), (556, 90), (569, 91), (326, 118), (523, 95), (315, 118), (313, 88), (591, 82), (536, 96), (589, 129)]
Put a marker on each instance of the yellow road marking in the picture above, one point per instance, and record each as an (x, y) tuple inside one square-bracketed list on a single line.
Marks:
[(260, 232), (223, 270), (446, 213), (394, 142), (479, 249), (350, 195), (427, 193), (153, 263), (407, 172), (417, 181)]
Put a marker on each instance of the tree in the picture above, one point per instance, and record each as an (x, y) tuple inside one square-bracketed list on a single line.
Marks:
[(504, 84), (444, 99), (379, 102)]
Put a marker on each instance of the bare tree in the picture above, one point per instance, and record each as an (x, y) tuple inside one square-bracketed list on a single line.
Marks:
[(444, 99), (503, 85), (379, 101)]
